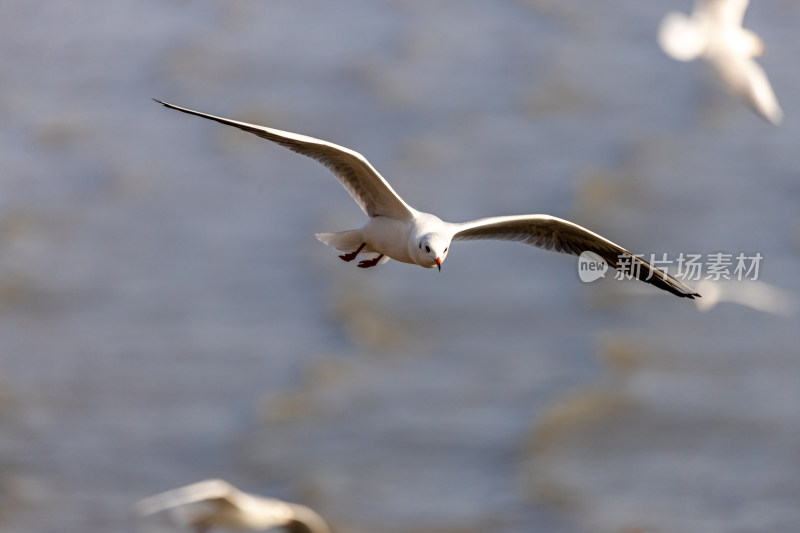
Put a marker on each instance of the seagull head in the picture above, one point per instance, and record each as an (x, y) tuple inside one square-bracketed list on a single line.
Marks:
[(432, 250)]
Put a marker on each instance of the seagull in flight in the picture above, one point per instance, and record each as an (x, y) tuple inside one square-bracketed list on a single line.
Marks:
[(396, 230), (714, 32), (215, 503)]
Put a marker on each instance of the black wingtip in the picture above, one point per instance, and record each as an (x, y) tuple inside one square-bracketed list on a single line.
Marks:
[(159, 101), (690, 295), (670, 284)]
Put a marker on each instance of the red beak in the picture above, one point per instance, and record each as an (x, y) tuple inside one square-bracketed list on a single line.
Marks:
[(439, 264)]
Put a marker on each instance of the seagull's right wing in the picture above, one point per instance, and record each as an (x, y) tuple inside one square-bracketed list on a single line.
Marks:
[(211, 489), (746, 79), (367, 187), (553, 233)]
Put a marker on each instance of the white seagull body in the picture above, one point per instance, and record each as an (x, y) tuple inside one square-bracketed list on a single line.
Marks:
[(398, 231), (714, 32), (214, 503)]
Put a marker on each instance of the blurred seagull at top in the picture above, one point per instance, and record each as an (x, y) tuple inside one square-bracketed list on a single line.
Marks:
[(396, 230), (215, 503), (714, 32)]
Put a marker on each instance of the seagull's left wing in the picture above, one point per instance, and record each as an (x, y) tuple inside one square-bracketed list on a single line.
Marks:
[(560, 235), (367, 187)]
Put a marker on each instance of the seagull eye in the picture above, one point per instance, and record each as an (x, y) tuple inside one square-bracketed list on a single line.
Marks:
[(445, 250), (427, 248)]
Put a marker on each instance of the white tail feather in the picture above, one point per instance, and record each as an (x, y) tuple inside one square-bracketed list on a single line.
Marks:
[(344, 241)]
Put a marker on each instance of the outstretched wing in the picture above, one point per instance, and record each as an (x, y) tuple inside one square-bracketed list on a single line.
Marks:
[(367, 187), (560, 235), (747, 80), (209, 490), (728, 12)]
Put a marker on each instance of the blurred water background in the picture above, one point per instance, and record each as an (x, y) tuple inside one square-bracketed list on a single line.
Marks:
[(166, 314)]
